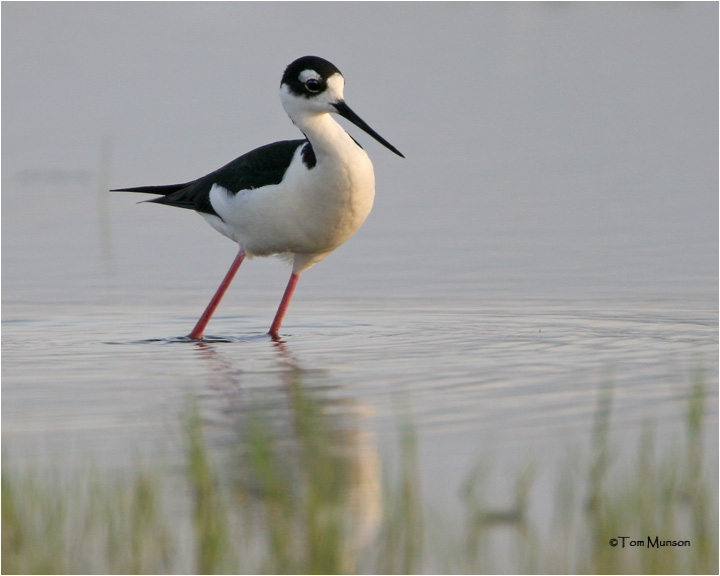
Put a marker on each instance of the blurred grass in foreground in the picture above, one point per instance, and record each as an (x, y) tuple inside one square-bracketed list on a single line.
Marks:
[(315, 501)]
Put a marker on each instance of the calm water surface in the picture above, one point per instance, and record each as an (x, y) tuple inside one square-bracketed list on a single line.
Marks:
[(112, 383), (553, 229)]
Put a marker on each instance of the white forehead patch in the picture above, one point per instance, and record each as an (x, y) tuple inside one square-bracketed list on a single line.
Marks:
[(336, 85)]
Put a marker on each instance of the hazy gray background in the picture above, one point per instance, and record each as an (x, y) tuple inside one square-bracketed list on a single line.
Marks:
[(553, 150)]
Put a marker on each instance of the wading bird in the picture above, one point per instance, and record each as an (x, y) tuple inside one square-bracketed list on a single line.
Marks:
[(299, 198)]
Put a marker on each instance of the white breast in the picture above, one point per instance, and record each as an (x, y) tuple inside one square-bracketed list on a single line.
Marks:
[(310, 213)]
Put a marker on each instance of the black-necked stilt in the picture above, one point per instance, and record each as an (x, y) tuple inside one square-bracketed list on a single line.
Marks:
[(302, 198)]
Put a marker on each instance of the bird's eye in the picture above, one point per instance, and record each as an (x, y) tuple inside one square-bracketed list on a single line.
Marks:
[(313, 85)]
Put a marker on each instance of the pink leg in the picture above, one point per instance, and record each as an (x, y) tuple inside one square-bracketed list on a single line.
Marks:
[(197, 332), (284, 303)]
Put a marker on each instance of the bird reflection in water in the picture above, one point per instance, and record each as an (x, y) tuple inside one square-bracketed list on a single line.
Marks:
[(297, 459)]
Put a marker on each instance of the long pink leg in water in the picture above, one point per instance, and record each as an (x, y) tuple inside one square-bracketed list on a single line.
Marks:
[(197, 332), (284, 303)]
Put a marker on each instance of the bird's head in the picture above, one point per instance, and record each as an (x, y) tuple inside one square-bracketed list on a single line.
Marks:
[(312, 86)]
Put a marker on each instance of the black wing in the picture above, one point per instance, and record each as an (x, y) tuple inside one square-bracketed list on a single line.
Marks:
[(263, 166)]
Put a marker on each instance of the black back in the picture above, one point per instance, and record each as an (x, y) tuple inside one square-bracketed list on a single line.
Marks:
[(263, 166)]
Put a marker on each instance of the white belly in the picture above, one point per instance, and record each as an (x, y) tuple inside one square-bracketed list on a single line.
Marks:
[(310, 213)]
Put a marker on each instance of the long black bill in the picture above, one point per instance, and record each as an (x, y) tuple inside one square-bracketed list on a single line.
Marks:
[(345, 111)]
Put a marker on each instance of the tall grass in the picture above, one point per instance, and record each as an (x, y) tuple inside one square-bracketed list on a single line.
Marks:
[(307, 496)]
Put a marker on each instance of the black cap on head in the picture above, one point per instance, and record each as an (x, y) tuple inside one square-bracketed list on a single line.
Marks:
[(291, 77)]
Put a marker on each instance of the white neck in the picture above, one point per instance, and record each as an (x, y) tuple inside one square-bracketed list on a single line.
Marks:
[(313, 116), (325, 134)]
